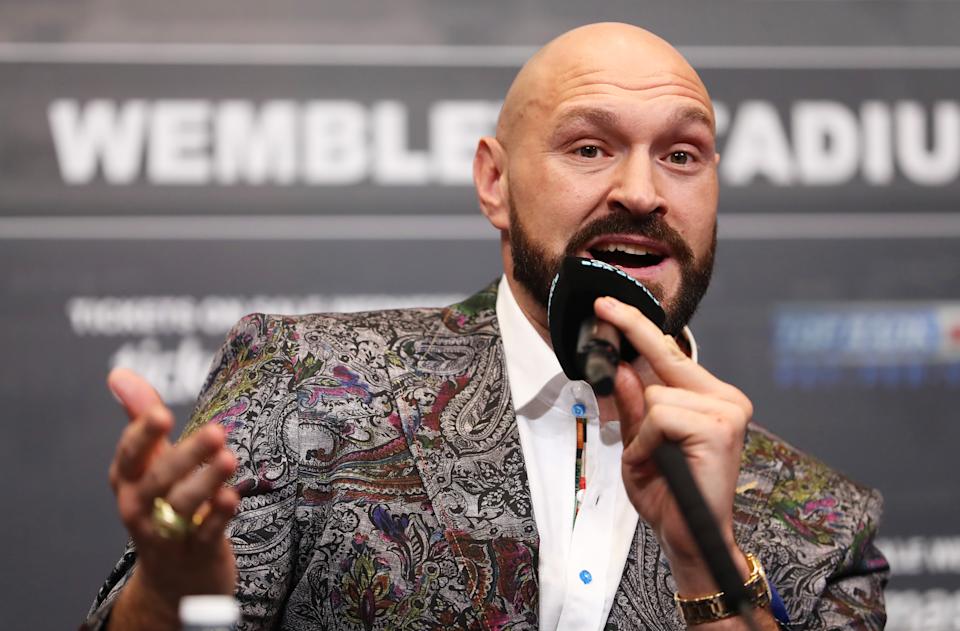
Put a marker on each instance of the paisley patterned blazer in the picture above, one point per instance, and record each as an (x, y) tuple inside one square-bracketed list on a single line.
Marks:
[(383, 487)]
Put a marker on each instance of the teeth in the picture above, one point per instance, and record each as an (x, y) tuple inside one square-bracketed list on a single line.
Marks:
[(625, 248)]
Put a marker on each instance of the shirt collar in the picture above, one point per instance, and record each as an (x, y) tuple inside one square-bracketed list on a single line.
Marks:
[(531, 363), (532, 367)]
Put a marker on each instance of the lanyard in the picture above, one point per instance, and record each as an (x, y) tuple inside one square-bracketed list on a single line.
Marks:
[(580, 471)]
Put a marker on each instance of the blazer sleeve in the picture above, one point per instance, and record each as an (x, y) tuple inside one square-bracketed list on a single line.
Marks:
[(814, 531), (247, 391), (853, 595)]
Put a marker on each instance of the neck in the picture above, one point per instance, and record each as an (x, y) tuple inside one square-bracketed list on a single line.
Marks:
[(532, 310)]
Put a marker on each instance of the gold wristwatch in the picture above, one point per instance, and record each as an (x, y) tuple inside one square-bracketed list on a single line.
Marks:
[(712, 608)]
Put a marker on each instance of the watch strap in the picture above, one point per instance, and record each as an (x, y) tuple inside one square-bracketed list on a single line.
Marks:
[(713, 607)]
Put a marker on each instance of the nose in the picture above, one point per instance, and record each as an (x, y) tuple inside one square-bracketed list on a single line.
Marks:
[(635, 187)]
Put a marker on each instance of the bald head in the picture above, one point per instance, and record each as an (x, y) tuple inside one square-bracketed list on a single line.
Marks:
[(605, 139), (617, 54)]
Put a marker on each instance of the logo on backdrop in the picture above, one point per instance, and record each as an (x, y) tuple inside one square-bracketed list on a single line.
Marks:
[(344, 142), (323, 143), (922, 609), (876, 345), (170, 340)]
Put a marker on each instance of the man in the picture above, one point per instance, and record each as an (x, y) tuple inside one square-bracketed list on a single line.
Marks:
[(387, 476)]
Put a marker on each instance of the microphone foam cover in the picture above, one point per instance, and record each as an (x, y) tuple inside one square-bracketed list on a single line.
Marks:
[(576, 286)]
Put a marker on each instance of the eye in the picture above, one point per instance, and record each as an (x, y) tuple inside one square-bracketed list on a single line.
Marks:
[(588, 151), (679, 157)]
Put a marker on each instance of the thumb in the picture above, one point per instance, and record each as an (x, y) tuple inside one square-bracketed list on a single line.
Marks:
[(133, 392), (628, 394), (645, 372)]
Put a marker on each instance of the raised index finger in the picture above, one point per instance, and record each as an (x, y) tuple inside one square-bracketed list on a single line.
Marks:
[(661, 351)]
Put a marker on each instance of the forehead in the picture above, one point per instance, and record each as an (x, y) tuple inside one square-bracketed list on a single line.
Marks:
[(669, 116), (673, 91), (608, 67), (612, 60)]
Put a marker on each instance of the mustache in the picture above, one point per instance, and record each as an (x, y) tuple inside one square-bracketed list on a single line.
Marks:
[(650, 226)]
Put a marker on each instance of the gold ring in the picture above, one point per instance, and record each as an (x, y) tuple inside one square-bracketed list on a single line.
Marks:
[(170, 524)]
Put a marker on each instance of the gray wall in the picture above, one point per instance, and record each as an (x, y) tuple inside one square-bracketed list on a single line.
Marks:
[(142, 211)]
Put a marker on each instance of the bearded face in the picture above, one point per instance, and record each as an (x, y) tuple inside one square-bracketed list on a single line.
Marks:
[(612, 159), (534, 267)]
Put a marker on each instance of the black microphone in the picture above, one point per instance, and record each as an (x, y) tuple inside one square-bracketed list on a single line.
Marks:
[(589, 350), (598, 352)]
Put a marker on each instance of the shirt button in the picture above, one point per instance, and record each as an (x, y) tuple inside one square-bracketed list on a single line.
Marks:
[(579, 409), (586, 577)]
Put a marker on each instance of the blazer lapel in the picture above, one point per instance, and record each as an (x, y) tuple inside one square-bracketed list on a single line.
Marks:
[(456, 411)]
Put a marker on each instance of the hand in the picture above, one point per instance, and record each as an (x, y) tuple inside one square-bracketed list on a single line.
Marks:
[(667, 396), (147, 466)]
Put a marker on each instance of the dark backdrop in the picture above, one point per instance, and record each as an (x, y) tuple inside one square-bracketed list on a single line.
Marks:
[(167, 167)]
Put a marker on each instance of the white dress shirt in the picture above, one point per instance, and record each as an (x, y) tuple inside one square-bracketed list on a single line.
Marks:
[(582, 560)]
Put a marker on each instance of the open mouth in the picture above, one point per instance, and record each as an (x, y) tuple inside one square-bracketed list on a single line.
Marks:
[(626, 255)]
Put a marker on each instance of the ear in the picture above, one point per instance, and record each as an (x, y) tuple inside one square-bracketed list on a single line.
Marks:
[(490, 179)]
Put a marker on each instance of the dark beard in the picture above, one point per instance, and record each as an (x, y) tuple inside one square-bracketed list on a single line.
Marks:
[(534, 268)]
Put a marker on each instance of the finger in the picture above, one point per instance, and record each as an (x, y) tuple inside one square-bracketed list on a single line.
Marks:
[(666, 359), (139, 440), (187, 495), (178, 461), (663, 422), (133, 392), (646, 373), (684, 426), (219, 511), (680, 397), (631, 406)]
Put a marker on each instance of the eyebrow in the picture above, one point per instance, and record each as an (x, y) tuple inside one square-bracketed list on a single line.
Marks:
[(692, 115), (600, 117), (588, 115)]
